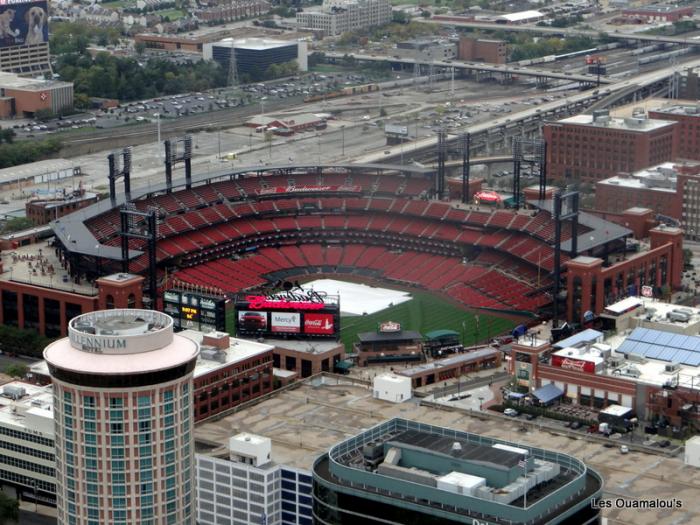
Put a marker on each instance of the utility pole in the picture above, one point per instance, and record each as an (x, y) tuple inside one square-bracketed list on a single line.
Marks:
[(232, 66)]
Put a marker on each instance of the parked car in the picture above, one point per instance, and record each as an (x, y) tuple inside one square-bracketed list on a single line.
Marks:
[(254, 320), (511, 412), (624, 449), (530, 417), (576, 425)]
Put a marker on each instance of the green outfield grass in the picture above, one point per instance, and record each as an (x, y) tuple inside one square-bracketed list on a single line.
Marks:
[(425, 313)]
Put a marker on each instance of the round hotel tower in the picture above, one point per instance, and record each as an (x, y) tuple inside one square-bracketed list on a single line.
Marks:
[(124, 420)]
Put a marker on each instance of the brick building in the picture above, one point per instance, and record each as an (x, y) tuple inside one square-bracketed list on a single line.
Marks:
[(232, 10), (594, 147), (228, 372), (481, 50), (659, 13), (671, 189), (37, 293), (306, 358), (687, 129), (591, 285), (23, 97), (451, 367), (43, 211)]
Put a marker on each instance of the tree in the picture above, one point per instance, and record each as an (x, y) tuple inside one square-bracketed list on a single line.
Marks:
[(400, 17), (382, 112), (425, 14), (140, 48), (9, 509), (15, 224), (7, 135), (17, 370), (687, 257)]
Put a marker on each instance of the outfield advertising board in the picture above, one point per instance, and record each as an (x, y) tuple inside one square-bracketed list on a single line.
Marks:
[(23, 23)]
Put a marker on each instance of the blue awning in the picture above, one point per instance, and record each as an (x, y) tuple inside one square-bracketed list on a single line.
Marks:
[(548, 393)]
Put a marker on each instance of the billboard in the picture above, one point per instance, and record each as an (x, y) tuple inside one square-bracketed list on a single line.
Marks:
[(23, 24), (578, 365), (295, 313), (285, 322), (319, 324)]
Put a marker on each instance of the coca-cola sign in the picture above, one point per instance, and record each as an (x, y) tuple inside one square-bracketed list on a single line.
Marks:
[(318, 324)]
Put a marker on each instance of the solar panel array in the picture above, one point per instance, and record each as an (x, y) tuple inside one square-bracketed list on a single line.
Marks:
[(664, 346)]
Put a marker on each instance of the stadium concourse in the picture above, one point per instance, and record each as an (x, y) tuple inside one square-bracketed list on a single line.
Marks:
[(241, 229)]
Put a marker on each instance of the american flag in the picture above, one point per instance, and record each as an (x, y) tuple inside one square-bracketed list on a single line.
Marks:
[(522, 463)]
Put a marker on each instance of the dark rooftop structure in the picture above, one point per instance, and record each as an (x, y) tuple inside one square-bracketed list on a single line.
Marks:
[(410, 472)]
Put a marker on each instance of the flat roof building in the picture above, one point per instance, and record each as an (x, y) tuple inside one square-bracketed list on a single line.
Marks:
[(255, 55), (25, 96), (409, 472), (340, 16), (688, 117), (589, 148), (27, 433), (670, 189)]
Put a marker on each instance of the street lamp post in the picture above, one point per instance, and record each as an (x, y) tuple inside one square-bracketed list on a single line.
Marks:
[(157, 117), (342, 128)]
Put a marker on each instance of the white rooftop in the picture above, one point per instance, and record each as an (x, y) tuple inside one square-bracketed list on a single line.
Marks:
[(591, 354), (393, 378), (616, 410), (624, 305), (628, 124), (521, 15), (238, 350), (256, 44), (33, 411)]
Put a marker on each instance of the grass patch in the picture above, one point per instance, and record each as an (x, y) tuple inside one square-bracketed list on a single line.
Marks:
[(425, 313), (172, 14), (116, 4)]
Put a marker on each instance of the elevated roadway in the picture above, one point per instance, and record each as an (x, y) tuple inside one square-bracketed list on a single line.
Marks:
[(506, 70), (571, 104), (565, 31)]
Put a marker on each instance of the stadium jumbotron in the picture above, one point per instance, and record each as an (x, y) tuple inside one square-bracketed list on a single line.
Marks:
[(241, 230)]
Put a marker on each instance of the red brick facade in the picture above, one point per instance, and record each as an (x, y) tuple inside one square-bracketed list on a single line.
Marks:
[(590, 153)]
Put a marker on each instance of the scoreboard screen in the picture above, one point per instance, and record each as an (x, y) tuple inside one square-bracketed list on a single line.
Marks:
[(300, 315), (196, 311)]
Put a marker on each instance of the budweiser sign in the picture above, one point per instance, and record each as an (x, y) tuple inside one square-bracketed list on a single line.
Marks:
[(573, 364), (577, 365), (308, 189), (291, 300)]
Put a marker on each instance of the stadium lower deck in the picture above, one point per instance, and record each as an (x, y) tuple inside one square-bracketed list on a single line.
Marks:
[(239, 233)]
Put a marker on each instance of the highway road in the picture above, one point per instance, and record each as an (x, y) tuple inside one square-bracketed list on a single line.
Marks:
[(511, 119), (564, 31), (503, 69)]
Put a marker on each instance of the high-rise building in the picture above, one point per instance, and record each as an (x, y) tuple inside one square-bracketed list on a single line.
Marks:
[(123, 420), (339, 16)]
